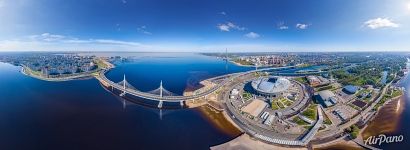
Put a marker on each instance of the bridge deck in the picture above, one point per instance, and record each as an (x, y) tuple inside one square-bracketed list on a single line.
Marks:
[(103, 79)]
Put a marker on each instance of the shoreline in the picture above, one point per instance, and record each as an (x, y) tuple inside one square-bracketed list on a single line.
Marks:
[(334, 143), (225, 116), (389, 124), (340, 143), (246, 142), (251, 66), (27, 71), (59, 79), (238, 64)]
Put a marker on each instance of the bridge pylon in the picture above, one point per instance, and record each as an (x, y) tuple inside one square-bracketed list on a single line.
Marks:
[(123, 87), (181, 103), (160, 89), (160, 104)]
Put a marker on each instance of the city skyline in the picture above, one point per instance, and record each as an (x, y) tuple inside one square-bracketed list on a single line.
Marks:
[(211, 26)]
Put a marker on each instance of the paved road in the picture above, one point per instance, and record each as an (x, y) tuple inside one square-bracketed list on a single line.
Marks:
[(357, 117), (155, 97)]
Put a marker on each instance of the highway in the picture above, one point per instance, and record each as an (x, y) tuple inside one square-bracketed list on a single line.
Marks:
[(155, 97)]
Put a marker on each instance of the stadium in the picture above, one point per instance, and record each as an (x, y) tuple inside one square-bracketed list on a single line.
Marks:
[(270, 86)]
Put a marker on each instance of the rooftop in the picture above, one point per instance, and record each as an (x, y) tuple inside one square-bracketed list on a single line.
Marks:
[(350, 89), (271, 84), (326, 94), (255, 107)]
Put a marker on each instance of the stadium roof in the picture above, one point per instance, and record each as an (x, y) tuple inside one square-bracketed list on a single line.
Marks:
[(265, 85), (350, 89)]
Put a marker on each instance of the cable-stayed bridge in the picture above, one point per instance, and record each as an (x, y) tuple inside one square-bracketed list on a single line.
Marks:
[(163, 95)]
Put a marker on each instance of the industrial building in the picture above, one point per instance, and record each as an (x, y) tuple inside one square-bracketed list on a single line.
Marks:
[(326, 98)]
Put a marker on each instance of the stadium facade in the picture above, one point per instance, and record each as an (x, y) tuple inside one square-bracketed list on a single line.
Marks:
[(270, 86)]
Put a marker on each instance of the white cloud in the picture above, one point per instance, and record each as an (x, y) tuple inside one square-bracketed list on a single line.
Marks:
[(101, 41), (143, 29), (301, 26), (118, 26), (124, 1), (47, 37), (380, 23), (55, 38), (115, 42), (1, 3), (223, 13), (77, 41), (252, 35), (50, 42), (283, 27), (408, 6), (228, 26), (223, 27)]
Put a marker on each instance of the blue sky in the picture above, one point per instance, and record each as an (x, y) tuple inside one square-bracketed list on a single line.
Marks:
[(204, 26)]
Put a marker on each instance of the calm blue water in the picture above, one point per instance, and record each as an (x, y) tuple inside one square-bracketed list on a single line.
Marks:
[(404, 120), (175, 70), (81, 114)]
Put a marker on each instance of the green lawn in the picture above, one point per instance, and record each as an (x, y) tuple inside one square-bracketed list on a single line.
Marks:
[(286, 102), (387, 96), (328, 87), (243, 62), (396, 93), (311, 112), (280, 105), (247, 95), (382, 101), (327, 121), (302, 80), (274, 105), (100, 63), (299, 121)]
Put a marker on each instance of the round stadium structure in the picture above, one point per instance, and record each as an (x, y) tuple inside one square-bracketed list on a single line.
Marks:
[(270, 86)]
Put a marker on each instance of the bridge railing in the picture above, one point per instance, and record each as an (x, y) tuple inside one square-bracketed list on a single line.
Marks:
[(180, 98)]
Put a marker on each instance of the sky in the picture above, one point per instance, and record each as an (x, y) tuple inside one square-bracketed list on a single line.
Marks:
[(205, 26)]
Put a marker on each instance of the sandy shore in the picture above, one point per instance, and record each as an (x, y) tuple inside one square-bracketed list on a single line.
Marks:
[(338, 144), (245, 142), (201, 101), (238, 64)]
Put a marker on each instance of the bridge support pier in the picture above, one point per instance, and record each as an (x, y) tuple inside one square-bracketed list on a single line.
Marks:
[(160, 114), (160, 104), (181, 103), (123, 92)]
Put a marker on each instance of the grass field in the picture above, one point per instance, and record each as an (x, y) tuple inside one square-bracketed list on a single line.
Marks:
[(299, 121), (311, 112)]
